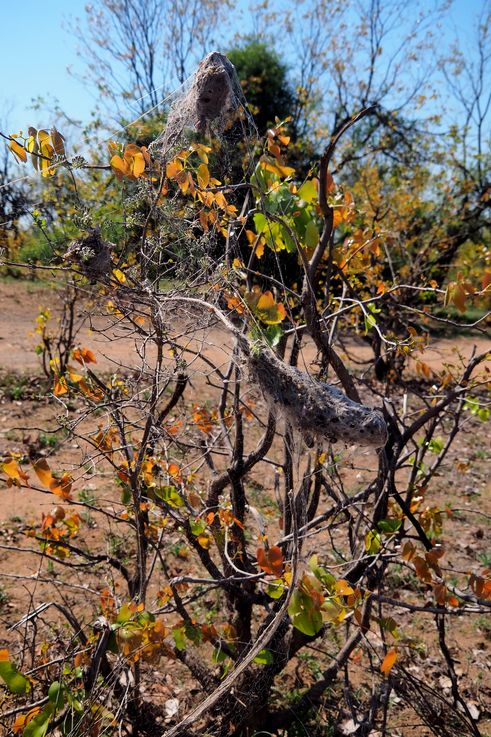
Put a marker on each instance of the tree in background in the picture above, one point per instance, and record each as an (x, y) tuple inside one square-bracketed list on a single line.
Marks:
[(137, 51), (264, 79)]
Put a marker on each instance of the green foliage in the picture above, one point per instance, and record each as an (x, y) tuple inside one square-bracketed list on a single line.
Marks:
[(264, 79)]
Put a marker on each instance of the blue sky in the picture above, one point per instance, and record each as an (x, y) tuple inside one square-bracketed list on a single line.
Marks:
[(37, 48)]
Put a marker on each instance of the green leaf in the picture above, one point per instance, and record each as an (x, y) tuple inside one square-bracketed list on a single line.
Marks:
[(276, 589), (305, 617), (193, 633), (218, 655), (38, 726), (170, 496), (308, 191), (373, 542), (389, 526), (56, 695), (389, 625), (197, 526), (273, 334), (264, 657), (484, 414), (16, 682), (179, 635), (124, 614), (369, 321), (311, 234), (436, 445), (322, 575)]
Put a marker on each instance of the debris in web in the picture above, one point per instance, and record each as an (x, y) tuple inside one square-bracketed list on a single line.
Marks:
[(92, 255)]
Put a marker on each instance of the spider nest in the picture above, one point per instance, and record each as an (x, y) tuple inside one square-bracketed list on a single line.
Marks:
[(315, 409), (212, 103)]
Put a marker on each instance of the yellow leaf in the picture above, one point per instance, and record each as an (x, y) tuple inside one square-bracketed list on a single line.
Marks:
[(204, 540), (119, 276), (32, 147), (73, 375), (269, 311), (203, 176), (388, 662), (18, 151), (13, 471)]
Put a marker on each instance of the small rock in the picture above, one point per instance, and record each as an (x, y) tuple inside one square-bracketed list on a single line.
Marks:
[(171, 708)]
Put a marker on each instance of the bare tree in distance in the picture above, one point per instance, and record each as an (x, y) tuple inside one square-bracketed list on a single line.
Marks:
[(136, 51)]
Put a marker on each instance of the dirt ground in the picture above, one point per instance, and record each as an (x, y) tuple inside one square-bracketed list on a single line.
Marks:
[(464, 484)]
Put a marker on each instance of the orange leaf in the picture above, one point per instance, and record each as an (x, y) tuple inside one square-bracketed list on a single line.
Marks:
[(23, 719), (84, 355), (60, 386), (271, 560), (138, 164), (62, 486), (173, 168), (120, 166), (343, 588), (388, 662), (43, 471)]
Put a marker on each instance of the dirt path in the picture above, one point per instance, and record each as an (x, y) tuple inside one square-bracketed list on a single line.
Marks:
[(20, 303)]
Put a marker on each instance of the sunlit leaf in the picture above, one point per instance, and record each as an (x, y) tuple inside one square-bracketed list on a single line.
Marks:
[(173, 168), (264, 657), (18, 151), (13, 471), (170, 496), (138, 166), (270, 312), (120, 166), (43, 471), (308, 191), (388, 662), (119, 276), (84, 355)]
